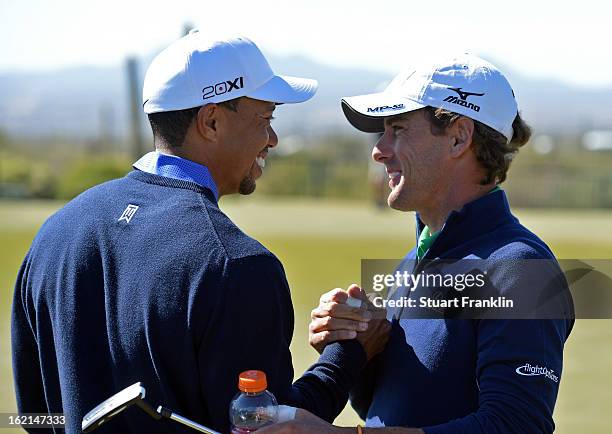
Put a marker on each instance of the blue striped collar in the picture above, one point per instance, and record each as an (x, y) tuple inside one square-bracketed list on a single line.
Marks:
[(175, 167)]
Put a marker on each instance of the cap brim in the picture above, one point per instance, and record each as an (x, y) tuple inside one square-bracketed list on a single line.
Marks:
[(283, 89), (367, 113)]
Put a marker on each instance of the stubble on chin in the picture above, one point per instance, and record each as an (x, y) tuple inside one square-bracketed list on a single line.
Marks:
[(247, 185)]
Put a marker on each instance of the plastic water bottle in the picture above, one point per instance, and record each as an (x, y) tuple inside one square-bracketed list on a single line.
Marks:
[(253, 407)]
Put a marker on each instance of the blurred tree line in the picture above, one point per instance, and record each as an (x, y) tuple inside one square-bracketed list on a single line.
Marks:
[(334, 167), (54, 171)]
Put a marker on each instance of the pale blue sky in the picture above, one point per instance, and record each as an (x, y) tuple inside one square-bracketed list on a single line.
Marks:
[(568, 40)]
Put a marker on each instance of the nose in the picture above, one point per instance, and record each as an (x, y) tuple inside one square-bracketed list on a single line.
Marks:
[(383, 148), (272, 137)]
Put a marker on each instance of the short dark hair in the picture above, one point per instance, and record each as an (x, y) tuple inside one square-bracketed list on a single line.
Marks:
[(492, 149), (169, 128)]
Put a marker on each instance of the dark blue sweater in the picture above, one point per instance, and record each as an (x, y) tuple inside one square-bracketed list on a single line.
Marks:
[(460, 376), (175, 296)]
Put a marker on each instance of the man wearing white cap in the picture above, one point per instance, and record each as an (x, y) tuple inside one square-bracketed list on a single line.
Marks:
[(450, 130), (144, 278)]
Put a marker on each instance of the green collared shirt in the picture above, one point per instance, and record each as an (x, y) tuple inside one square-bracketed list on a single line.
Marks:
[(426, 238)]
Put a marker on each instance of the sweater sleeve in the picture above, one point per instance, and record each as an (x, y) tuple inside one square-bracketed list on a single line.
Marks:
[(518, 369), (362, 392), (519, 361), (253, 330), (26, 367)]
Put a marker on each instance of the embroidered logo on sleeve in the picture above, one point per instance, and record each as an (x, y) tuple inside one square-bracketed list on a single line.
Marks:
[(528, 370), (128, 213)]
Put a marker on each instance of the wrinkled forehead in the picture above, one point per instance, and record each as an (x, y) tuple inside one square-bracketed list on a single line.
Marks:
[(400, 117)]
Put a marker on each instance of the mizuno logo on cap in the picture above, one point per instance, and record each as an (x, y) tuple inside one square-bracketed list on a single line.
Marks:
[(462, 100), (464, 95), (385, 108), (223, 87)]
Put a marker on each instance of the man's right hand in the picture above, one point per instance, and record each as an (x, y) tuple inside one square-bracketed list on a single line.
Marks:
[(335, 320)]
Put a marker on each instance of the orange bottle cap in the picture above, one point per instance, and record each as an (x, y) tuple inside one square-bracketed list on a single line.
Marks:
[(252, 381)]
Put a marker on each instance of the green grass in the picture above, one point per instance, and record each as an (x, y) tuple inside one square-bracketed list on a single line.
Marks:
[(321, 243)]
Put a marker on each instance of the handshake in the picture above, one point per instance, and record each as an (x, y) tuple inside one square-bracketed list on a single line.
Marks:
[(348, 315), (341, 315)]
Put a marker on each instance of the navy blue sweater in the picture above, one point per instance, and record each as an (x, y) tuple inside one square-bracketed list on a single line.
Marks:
[(175, 296), (460, 376)]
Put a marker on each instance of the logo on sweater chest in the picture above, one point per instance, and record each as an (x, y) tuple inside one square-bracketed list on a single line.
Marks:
[(128, 213)]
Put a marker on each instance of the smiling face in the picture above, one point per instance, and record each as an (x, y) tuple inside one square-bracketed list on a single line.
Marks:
[(244, 137), (416, 161)]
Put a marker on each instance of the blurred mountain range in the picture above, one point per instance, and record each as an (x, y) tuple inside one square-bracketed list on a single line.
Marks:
[(92, 102)]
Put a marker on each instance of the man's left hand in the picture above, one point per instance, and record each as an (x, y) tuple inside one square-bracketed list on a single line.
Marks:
[(334, 319)]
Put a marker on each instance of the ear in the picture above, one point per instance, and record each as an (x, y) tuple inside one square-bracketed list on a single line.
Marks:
[(462, 132), (206, 121)]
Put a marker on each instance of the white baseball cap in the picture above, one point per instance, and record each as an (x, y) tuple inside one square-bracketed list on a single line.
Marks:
[(197, 70), (465, 84)]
